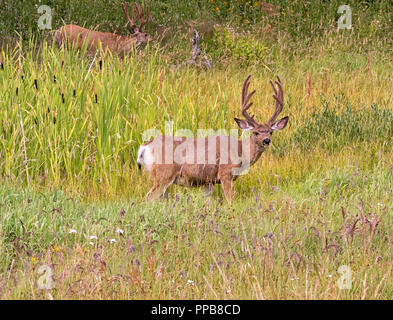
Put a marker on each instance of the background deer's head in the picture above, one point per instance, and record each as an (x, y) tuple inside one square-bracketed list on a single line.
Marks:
[(144, 16)]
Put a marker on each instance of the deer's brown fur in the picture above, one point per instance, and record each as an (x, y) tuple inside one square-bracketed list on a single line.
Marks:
[(117, 44)]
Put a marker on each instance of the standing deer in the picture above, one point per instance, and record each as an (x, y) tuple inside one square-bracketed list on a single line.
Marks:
[(210, 160), (113, 42)]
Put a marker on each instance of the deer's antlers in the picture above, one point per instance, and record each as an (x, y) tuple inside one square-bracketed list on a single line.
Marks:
[(144, 17), (245, 101), (138, 12), (279, 97)]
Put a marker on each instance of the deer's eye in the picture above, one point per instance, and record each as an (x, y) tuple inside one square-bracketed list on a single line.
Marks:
[(256, 133), (271, 132)]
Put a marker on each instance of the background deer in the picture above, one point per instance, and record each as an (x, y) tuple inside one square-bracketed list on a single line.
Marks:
[(214, 159), (113, 42)]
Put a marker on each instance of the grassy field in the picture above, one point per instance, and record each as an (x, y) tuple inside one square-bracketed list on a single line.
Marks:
[(320, 198)]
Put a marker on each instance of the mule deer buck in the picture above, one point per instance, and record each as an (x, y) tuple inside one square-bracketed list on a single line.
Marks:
[(214, 159), (115, 43)]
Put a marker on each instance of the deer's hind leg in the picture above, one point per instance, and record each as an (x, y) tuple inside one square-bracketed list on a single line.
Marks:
[(161, 185), (209, 190), (161, 189)]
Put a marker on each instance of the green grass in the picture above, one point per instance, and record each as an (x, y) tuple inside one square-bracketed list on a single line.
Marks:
[(287, 244), (68, 158)]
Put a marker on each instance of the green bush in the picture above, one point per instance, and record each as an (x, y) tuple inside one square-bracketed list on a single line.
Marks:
[(244, 48)]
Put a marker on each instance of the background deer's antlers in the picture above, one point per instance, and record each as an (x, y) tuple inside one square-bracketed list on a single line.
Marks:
[(138, 12)]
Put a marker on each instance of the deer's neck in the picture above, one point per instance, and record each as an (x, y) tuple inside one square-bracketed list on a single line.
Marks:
[(251, 151)]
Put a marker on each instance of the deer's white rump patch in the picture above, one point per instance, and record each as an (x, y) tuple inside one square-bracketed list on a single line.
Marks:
[(145, 157)]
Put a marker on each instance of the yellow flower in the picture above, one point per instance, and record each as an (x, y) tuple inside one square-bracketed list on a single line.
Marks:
[(217, 9), (256, 4), (34, 260), (229, 9), (56, 248)]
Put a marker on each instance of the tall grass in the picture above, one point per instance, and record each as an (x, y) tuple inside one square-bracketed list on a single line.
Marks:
[(82, 127)]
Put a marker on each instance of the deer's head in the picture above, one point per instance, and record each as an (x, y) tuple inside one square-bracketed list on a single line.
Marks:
[(144, 16), (261, 133)]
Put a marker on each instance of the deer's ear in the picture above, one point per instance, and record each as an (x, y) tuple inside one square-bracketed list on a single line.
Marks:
[(243, 124), (280, 124)]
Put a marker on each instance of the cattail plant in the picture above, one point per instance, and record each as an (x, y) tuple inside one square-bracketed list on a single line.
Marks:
[(73, 88), (62, 94), (95, 94), (54, 116), (309, 84)]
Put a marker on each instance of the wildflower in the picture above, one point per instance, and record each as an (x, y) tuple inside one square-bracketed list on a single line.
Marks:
[(56, 248), (34, 260), (112, 240), (190, 282), (119, 231), (91, 243), (72, 231), (93, 237), (217, 9)]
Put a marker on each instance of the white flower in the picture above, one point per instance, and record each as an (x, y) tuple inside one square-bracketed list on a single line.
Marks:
[(112, 240), (190, 282), (329, 275), (72, 231), (119, 231), (93, 237), (91, 243)]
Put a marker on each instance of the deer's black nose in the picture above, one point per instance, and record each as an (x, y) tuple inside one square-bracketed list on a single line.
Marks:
[(266, 141)]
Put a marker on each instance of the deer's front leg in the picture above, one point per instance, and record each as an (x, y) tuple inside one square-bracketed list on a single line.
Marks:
[(226, 183)]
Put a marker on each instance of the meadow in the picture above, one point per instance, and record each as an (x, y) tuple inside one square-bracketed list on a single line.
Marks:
[(311, 220)]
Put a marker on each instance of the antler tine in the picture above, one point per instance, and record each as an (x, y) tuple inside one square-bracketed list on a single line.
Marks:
[(131, 22), (279, 97), (245, 101), (144, 17)]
